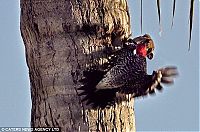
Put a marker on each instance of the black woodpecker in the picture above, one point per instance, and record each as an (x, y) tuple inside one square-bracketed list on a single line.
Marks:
[(128, 74)]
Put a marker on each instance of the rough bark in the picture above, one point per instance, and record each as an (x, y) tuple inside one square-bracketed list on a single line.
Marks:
[(58, 38)]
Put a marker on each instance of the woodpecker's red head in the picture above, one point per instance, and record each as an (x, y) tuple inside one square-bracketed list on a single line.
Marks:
[(141, 50), (145, 47)]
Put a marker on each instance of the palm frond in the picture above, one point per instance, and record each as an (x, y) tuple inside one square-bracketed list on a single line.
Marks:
[(191, 21), (158, 7), (141, 16), (173, 12), (159, 18)]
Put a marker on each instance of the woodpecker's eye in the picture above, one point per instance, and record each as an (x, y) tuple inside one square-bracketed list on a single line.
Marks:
[(149, 50)]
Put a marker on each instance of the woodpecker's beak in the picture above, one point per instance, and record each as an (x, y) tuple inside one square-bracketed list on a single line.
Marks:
[(150, 53), (150, 56)]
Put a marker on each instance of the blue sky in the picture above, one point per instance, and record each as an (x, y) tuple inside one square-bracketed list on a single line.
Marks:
[(176, 108), (15, 100)]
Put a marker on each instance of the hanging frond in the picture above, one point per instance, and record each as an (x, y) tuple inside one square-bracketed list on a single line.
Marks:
[(173, 12), (141, 16), (158, 7), (191, 21), (159, 18)]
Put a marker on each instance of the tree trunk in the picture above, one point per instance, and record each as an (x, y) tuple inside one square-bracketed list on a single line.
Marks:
[(59, 37)]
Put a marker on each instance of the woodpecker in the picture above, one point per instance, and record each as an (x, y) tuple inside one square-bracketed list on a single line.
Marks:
[(128, 73)]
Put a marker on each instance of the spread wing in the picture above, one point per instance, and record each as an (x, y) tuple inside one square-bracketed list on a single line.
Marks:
[(130, 68)]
